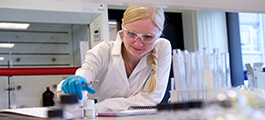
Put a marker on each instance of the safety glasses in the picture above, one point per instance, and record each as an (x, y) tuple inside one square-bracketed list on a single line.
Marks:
[(144, 37)]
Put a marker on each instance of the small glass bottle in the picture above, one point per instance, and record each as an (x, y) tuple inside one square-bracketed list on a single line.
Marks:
[(47, 98)]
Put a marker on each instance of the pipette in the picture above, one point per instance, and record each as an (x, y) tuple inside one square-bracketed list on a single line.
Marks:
[(88, 83)]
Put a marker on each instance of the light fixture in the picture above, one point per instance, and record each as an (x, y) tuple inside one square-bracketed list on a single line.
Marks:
[(112, 23), (14, 26), (2, 58), (7, 45)]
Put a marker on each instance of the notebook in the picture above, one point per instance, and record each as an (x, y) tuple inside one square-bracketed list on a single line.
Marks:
[(41, 112), (131, 111)]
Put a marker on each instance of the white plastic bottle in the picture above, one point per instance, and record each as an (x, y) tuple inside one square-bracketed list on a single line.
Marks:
[(89, 109)]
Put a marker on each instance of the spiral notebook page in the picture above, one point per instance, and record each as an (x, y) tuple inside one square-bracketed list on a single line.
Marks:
[(142, 107)]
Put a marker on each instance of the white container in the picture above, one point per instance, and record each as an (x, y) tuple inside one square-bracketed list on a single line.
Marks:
[(257, 68), (261, 80), (89, 109)]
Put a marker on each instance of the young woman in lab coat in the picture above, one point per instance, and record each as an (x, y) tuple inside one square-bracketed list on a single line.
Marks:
[(133, 70)]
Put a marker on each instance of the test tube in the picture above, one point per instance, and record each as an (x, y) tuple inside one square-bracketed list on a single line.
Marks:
[(179, 77), (194, 79), (187, 95), (216, 79), (176, 69), (227, 64), (208, 71), (222, 70), (182, 73), (200, 74)]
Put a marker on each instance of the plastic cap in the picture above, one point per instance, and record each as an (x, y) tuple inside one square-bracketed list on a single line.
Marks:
[(90, 103), (69, 99), (55, 113), (47, 87)]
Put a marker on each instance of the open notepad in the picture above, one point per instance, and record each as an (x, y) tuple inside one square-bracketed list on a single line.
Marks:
[(132, 111), (41, 112)]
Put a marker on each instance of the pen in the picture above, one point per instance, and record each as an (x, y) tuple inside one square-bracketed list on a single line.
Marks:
[(88, 83)]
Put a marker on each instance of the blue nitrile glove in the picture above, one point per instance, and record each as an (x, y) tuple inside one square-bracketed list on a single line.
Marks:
[(73, 85)]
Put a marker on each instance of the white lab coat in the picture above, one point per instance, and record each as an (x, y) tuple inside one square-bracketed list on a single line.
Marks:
[(115, 91)]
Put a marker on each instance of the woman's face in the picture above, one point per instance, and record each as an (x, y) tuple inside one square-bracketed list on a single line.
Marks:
[(140, 36)]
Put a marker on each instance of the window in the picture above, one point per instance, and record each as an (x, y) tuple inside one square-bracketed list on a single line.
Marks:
[(251, 33)]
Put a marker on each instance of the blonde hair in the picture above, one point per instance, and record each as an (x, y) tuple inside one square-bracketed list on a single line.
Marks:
[(153, 81), (134, 13)]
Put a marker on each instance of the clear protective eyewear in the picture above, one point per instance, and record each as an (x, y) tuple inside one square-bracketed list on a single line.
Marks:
[(144, 37)]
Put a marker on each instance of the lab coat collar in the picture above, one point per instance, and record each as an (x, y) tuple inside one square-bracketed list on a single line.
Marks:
[(117, 45), (116, 54)]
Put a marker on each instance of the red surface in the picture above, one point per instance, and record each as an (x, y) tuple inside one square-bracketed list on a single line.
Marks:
[(37, 71)]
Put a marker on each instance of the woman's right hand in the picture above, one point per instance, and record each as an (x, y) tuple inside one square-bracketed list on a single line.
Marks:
[(73, 85)]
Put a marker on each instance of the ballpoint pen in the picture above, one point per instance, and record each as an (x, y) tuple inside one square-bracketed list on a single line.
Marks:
[(88, 83)]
